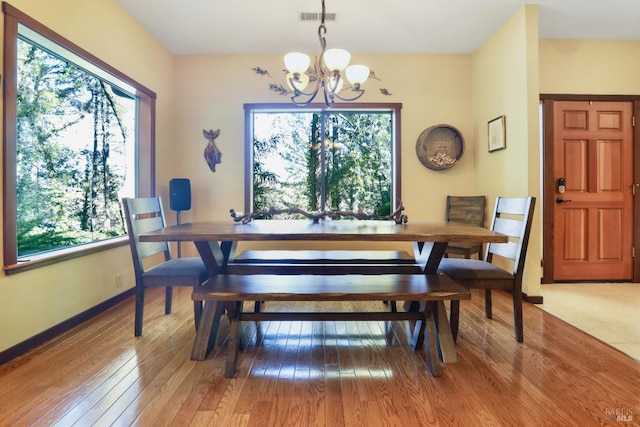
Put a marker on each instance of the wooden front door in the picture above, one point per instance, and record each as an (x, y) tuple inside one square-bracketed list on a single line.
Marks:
[(593, 217)]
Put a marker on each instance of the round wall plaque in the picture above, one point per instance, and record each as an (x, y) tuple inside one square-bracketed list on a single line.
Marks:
[(440, 147)]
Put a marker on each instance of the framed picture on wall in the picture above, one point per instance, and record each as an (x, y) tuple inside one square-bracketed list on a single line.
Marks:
[(497, 134)]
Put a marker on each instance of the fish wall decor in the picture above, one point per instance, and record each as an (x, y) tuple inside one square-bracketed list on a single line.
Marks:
[(212, 154)]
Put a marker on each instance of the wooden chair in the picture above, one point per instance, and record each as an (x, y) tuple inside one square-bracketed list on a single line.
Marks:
[(513, 217), (146, 214), (466, 210)]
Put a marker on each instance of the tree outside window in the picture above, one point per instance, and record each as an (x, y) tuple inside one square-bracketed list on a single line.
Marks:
[(317, 160), (78, 136), (75, 147)]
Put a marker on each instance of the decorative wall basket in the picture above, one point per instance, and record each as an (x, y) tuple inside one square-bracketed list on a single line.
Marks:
[(440, 147)]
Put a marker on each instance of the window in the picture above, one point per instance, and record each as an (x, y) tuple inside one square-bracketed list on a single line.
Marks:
[(315, 159), (77, 139)]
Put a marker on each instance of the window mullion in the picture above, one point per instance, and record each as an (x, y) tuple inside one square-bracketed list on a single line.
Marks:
[(323, 163)]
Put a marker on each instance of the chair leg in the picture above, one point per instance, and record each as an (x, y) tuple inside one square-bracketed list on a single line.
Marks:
[(138, 311), (487, 303), (517, 315), (167, 299), (454, 318)]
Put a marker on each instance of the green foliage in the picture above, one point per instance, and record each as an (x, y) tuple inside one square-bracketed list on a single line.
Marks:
[(352, 163), (38, 236), (263, 179), (71, 140)]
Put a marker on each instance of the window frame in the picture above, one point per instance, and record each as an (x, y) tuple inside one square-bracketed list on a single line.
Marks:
[(249, 109), (145, 142)]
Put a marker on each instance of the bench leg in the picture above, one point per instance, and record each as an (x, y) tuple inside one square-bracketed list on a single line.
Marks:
[(454, 318), (234, 343), (207, 330), (417, 341)]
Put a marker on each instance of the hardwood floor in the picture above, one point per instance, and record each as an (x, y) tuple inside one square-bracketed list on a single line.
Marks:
[(320, 373)]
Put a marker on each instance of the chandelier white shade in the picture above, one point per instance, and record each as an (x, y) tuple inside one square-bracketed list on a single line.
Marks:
[(336, 59), (297, 62), (326, 73)]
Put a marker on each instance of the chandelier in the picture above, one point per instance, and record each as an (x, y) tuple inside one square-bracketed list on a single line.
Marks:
[(327, 75)]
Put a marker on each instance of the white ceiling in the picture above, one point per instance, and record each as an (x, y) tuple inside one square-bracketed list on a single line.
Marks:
[(189, 27)]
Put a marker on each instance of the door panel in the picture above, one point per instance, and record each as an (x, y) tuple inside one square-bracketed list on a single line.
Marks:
[(575, 165), (575, 230), (593, 217), (610, 225)]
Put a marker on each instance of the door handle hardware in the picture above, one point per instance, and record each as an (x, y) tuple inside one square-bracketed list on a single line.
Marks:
[(561, 201), (561, 185)]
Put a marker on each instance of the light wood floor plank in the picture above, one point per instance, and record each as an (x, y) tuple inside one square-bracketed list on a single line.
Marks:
[(318, 373)]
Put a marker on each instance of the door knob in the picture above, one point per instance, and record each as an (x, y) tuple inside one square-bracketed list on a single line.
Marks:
[(561, 201)]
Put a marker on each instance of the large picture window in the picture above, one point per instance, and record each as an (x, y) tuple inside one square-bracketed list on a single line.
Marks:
[(73, 129), (315, 159)]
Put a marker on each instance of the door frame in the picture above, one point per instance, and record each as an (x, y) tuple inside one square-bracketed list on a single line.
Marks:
[(548, 182)]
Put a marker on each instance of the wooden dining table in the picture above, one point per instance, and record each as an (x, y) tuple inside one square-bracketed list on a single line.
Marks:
[(217, 242)]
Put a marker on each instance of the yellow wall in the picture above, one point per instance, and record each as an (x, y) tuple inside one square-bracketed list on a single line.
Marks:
[(433, 89), (34, 301), (603, 67), (505, 82)]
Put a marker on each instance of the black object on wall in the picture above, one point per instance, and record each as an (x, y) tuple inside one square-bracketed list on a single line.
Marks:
[(180, 194)]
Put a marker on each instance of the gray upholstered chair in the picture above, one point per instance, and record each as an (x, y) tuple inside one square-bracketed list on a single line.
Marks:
[(146, 214), (513, 217)]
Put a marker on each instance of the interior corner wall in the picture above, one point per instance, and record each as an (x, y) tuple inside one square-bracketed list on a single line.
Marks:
[(36, 300), (505, 82)]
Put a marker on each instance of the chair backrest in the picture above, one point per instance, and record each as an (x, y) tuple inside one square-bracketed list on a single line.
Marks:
[(466, 209), (513, 217), (142, 215)]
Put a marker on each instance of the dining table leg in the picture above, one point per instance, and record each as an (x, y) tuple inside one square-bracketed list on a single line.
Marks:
[(216, 256), (445, 337), (428, 255), (426, 326), (207, 332)]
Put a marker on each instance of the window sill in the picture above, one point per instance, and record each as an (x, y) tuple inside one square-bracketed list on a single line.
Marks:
[(53, 257)]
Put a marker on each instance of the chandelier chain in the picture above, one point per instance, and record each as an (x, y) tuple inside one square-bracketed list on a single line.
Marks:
[(327, 79), (322, 29)]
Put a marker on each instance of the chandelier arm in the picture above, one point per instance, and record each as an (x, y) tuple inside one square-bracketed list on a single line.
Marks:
[(298, 92), (332, 87), (328, 97), (311, 96)]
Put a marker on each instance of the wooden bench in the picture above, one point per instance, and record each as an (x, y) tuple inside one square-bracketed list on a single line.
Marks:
[(231, 291)]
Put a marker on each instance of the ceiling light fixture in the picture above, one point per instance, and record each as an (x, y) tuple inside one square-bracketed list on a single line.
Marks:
[(326, 73)]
